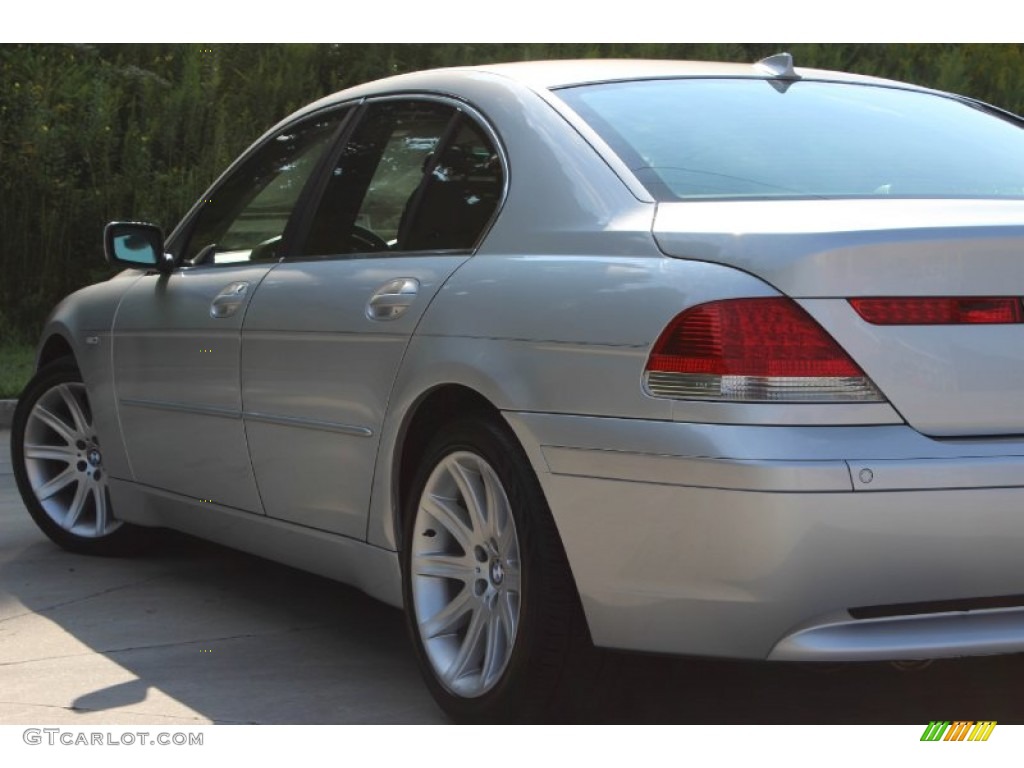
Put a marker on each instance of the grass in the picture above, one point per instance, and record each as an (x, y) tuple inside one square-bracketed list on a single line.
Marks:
[(16, 363)]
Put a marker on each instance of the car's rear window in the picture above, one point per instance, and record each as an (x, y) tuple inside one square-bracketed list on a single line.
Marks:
[(749, 138)]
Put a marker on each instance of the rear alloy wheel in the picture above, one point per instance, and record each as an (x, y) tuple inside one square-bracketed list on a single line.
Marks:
[(492, 607), (466, 574), (58, 465)]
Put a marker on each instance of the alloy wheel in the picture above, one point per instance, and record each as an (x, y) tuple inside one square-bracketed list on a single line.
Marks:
[(64, 463), (466, 574)]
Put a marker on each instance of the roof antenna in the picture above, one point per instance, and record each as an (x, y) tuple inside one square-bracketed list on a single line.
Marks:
[(780, 66)]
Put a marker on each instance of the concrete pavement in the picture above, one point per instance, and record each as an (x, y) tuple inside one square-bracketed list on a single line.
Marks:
[(7, 413), (191, 633)]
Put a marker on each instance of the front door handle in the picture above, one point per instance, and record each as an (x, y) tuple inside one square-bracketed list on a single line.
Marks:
[(390, 301), (229, 300)]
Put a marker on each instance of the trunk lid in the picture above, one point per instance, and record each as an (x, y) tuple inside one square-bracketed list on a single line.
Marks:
[(946, 380)]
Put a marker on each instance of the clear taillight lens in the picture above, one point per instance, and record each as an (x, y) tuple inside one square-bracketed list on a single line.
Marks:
[(753, 350)]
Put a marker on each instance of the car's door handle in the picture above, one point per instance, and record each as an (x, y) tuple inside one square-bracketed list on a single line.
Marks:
[(390, 301), (229, 300)]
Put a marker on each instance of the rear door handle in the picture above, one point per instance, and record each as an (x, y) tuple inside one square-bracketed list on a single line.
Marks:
[(391, 300), (229, 300)]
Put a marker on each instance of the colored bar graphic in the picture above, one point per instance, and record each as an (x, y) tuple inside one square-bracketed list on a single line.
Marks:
[(935, 730), (958, 730), (982, 730)]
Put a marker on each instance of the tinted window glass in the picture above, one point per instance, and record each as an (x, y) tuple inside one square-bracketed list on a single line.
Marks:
[(755, 138), (376, 177), (245, 217), (459, 196), (414, 176)]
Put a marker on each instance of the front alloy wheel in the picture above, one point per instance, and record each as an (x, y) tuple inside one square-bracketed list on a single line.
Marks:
[(64, 463), (58, 465)]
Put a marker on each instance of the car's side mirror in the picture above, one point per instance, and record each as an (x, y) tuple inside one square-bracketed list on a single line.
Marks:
[(136, 245)]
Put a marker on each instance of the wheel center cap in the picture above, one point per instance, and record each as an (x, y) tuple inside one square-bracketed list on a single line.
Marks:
[(497, 572), (94, 457)]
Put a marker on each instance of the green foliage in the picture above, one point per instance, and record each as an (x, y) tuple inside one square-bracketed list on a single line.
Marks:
[(16, 364), (92, 133)]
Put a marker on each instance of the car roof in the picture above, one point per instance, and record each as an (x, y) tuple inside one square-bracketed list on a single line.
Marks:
[(567, 72), (545, 76), (560, 73)]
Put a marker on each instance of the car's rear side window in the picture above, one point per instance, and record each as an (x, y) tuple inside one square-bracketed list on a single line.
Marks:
[(752, 138), (414, 175)]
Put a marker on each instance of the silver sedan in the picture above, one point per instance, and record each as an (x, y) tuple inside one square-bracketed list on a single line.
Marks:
[(674, 357)]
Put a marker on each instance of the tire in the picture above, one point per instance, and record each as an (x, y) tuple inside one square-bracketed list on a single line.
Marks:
[(59, 468), (491, 605)]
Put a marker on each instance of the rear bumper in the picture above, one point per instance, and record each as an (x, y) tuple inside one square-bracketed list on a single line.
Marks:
[(757, 542)]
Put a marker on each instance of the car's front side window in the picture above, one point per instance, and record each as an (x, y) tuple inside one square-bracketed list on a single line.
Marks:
[(245, 218)]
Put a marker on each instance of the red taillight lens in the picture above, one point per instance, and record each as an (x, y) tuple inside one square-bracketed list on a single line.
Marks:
[(766, 349), (749, 337), (964, 310)]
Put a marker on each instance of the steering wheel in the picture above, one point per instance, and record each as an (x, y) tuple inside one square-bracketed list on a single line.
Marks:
[(265, 250), (363, 239), (212, 254)]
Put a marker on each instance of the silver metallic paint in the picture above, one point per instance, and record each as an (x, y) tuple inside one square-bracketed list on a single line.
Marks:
[(698, 471), (944, 380), (848, 248), (326, 361), (168, 348), (663, 564)]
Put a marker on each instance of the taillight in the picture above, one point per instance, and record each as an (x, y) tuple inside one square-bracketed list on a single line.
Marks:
[(958, 310), (753, 350)]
